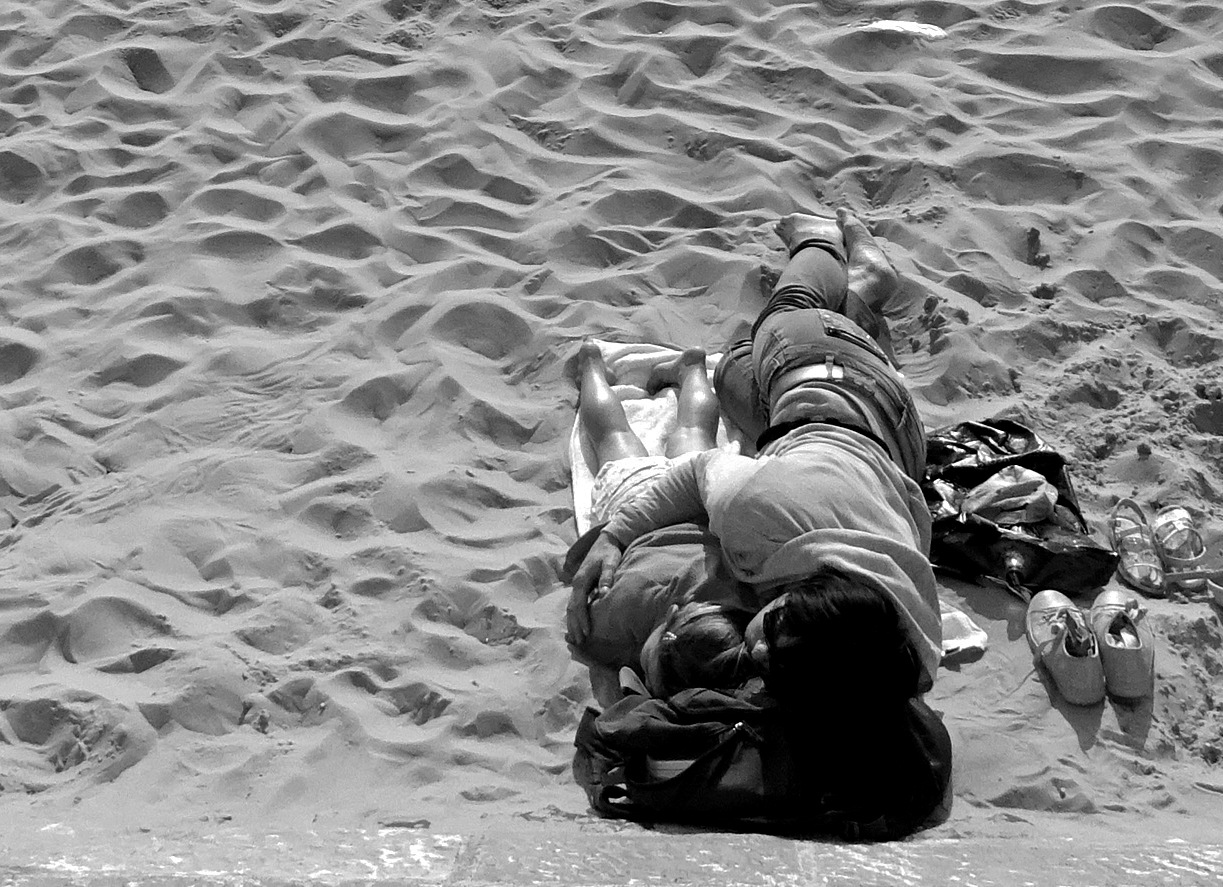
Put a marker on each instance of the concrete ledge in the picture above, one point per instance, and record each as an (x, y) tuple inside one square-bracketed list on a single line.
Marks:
[(536, 857)]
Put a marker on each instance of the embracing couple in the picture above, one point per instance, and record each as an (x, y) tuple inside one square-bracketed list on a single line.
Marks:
[(806, 565)]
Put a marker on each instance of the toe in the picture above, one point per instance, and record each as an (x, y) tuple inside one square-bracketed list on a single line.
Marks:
[(692, 357)]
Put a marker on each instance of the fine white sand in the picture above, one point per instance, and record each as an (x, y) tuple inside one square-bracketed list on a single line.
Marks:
[(289, 296)]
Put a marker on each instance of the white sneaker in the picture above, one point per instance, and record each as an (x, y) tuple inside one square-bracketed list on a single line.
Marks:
[(1063, 643)]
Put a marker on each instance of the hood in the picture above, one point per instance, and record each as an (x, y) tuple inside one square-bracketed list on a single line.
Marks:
[(902, 573)]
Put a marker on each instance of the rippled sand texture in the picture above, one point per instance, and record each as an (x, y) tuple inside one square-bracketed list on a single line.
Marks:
[(290, 293)]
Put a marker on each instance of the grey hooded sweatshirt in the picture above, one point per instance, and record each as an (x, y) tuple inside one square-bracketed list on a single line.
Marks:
[(819, 496)]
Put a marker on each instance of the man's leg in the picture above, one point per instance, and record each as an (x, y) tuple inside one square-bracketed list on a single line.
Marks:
[(735, 382), (858, 290), (800, 327), (815, 276), (872, 277), (601, 413), (815, 280), (835, 265), (873, 281)]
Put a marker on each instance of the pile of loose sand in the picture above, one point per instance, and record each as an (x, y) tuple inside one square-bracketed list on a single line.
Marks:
[(289, 295)]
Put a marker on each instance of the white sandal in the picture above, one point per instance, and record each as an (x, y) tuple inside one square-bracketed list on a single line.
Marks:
[(1180, 547)]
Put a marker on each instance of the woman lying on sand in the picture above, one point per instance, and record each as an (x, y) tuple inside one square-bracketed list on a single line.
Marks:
[(673, 613)]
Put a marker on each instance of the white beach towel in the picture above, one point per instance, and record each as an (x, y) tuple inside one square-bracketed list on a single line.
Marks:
[(653, 418)]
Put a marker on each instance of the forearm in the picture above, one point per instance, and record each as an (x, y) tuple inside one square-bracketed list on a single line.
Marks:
[(674, 498)]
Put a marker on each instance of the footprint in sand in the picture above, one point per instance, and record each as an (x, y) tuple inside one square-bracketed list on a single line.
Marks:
[(339, 516), (1201, 246), (344, 241), (403, 316), (96, 262), (492, 327), (241, 246), (147, 70), (1183, 342), (1129, 26), (142, 209), (456, 171), (20, 179), (25, 641), (114, 634), (416, 700), (20, 351), (471, 611), (379, 397), (1049, 75), (241, 202), (489, 724), (142, 370), (96, 27), (72, 735), (281, 24), (282, 623), (1207, 417), (394, 93)]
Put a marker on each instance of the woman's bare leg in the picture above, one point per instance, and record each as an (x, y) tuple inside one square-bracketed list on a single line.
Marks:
[(600, 411), (697, 408)]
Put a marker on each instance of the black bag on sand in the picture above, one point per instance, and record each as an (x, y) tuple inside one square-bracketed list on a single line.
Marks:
[(727, 762), (1023, 550)]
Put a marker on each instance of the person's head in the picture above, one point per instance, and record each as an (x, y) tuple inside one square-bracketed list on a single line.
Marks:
[(836, 656), (837, 637), (696, 645)]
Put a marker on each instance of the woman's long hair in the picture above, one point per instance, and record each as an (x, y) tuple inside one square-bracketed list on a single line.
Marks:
[(842, 639), (842, 672)]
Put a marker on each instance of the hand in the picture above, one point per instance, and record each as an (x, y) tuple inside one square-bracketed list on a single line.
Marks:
[(592, 580)]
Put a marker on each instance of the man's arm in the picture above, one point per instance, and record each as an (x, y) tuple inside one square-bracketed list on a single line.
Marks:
[(675, 497)]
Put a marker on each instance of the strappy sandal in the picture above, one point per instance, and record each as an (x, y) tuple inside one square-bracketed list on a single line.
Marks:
[(1139, 565), (1180, 547)]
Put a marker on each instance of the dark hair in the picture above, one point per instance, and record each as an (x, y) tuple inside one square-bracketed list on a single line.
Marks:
[(702, 646), (842, 637), (845, 675)]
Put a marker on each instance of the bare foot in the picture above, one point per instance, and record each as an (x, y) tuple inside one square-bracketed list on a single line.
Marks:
[(590, 359), (672, 372), (872, 278), (797, 228)]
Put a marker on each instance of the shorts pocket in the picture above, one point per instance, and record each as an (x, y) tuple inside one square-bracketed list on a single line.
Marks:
[(838, 327)]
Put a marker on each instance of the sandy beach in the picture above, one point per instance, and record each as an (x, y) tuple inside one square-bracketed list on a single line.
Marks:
[(290, 294)]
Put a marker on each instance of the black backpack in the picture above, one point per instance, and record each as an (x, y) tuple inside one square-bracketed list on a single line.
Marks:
[(1053, 552), (729, 763)]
